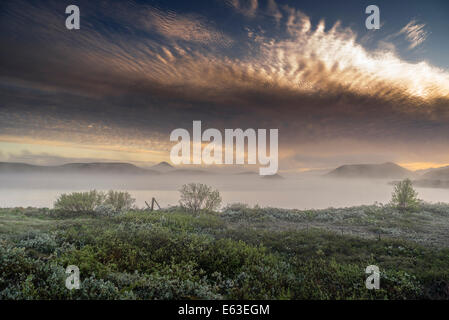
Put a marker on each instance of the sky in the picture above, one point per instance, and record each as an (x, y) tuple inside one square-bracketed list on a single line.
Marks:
[(136, 70)]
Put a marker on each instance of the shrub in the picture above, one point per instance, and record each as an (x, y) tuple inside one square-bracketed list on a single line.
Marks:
[(237, 206), (106, 210), (97, 289), (82, 202), (404, 197), (109, 204), (22, 277), (41, 242), (175, 255), (120, 201), (438, 290), (172, 281), (198, 196)]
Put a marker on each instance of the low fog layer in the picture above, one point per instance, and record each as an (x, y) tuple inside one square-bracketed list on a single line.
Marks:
[(291, 191)]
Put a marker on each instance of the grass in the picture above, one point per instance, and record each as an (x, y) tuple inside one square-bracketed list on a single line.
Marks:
[(240, 253), (22, 220), (429, 226)]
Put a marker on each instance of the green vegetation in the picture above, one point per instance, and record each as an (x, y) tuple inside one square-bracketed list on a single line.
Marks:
[(405, 198), (240, 253), (119, 202), (197, 196), (82, 202), (94, 202)]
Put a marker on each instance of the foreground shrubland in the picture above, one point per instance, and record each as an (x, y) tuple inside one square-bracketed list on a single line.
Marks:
[(240, 253)]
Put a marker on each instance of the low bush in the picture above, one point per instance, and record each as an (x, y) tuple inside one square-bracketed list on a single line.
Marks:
[(197, 196), (119, 201), (82, 202), (41, 242), (171, 254), (94, 202)]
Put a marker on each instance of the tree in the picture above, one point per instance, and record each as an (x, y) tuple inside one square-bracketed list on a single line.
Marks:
[(113, 202), (198, 196), (404, 197), (120, 201), (82, 202)]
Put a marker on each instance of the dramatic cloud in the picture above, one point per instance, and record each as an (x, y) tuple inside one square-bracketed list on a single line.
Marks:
[(415, 33), (182, 27), (128, 86), (245, 7)]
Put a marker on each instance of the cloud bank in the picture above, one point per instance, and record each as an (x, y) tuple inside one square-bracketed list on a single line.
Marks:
[(131, 84)]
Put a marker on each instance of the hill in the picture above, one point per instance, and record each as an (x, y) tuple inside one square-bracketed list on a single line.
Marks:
[(273, 177), (386, 170), (163, 167), (437, 174), (247, 173), (83, 168), (13, 167), (189, 172)]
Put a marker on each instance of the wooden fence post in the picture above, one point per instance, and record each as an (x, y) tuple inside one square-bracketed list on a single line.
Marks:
[(153, 201)]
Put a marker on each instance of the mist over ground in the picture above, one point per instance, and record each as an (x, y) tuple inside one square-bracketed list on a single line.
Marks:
[(298, 191)]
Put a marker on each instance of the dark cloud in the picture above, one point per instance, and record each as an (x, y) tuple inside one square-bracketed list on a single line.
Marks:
[(134, 74)]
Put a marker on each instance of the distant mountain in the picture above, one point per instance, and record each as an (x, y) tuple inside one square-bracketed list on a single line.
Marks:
[(163, 167), (105, 167), (247, 173), (437, 174), (431, 183), (188, 172), (387, 170), (13, 167), (276, 176), (87, 168)]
